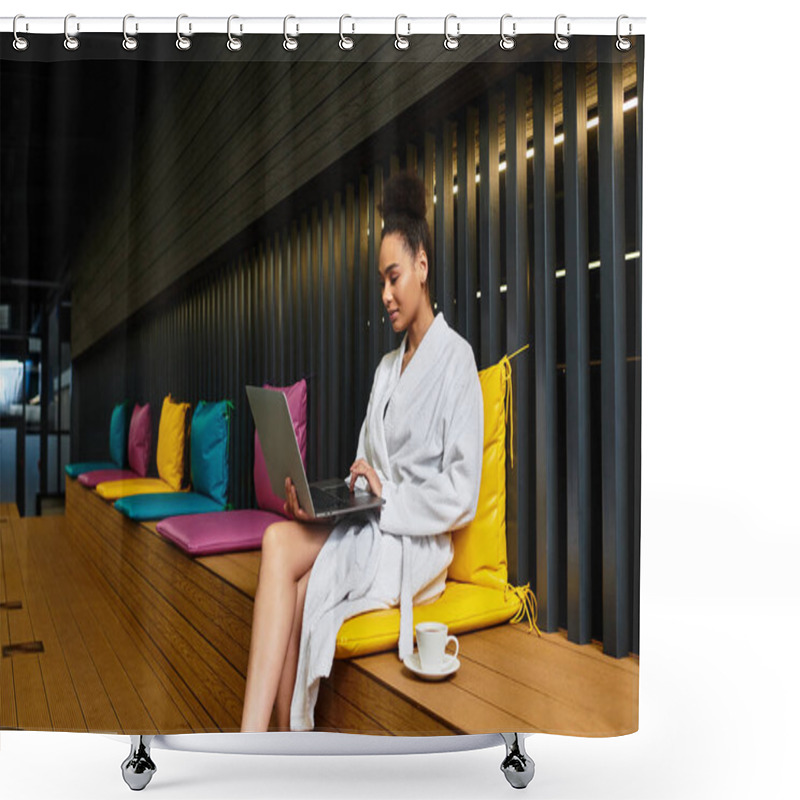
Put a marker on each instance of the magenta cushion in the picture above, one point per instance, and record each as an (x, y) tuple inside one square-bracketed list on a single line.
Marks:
[(218, 531), (140, 440), (97, 476), (296, 397)]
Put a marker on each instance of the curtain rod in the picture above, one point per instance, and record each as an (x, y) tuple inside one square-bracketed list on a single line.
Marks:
[(347, 25)]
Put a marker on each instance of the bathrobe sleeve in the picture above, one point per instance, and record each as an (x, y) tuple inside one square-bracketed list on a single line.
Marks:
[(447, 498)]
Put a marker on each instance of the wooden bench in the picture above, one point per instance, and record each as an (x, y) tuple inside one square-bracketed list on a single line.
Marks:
[(174, 631)]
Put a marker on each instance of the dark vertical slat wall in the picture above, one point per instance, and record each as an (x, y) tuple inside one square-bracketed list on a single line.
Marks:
[(269, 303), (637, 363), (544, 347), (362, 272), (242, 348), (444, 260), (303, 300), (613, 392), (340, 316), (307, 326), (374, 304), (429, 179), (576, 265), (295, 302), (380, 177), (348, 316), (466, 290), (489, 201), (376, 323), (518, 331), (331, 346), (318, 296)]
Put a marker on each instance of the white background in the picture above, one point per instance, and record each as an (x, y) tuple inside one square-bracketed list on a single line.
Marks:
[(720, 554)]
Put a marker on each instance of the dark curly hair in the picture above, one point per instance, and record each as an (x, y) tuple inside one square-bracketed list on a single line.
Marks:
[(403, 211)]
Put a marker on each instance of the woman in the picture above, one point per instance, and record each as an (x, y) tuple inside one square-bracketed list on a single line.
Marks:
[(420, 449)]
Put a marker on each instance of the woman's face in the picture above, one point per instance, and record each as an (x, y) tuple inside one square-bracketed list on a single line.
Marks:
[(403, 279)]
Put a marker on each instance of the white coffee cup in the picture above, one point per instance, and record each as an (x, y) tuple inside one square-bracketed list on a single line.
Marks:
[(432, 639)]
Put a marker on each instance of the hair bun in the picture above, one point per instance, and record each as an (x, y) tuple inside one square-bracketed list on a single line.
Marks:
[(404, 194)]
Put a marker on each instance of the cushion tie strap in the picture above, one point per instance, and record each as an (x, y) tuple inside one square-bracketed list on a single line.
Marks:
[(529, 610), (509, 404)]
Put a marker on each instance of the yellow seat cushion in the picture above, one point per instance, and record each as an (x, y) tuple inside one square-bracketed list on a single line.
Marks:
[(462, 607), (479, 549), (114, 490), (171, 451)]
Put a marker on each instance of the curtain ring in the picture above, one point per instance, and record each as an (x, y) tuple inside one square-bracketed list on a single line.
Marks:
[(451, 42), (70, 42), (400, 42), (20, 42), (345, 42), (289, 43), (234, 43), (129, 42), (507, 42), (182, 42), (623, 43), (561, 42)]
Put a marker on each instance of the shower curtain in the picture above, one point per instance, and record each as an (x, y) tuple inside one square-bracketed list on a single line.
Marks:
[(181, 222)]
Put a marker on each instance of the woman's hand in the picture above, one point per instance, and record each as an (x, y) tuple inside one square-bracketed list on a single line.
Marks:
[(361, 467), (291, 508)]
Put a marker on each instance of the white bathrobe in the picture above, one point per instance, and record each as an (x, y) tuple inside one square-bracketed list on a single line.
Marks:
[(423, 435)]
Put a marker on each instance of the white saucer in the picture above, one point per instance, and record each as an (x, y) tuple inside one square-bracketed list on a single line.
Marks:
[(449, 666)]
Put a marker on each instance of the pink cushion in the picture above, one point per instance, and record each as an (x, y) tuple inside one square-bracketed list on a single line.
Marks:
[(296, 397), (140, 440), (218, 531), (98, 476)]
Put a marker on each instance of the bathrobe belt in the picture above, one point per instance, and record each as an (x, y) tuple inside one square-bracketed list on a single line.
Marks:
[(406, 645)]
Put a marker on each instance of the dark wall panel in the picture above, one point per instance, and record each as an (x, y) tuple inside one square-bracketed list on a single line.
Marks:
[(544, 326)]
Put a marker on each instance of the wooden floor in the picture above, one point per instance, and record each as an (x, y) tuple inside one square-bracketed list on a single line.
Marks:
[(139, 638)]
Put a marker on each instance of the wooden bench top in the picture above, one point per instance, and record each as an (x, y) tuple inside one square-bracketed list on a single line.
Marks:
[(508, 678)]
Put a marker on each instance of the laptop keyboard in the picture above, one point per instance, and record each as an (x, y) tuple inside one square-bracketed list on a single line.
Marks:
[(329, 500)]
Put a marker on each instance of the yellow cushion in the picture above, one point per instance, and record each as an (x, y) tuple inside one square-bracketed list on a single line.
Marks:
[(170, 455), (113, 490), (479, 555), (462, 607)]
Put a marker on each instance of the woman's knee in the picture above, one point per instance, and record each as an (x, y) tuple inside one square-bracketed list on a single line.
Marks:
[(291, 546), (281, 549), (275, 545)]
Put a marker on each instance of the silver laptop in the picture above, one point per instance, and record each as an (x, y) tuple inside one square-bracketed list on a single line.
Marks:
[(323, 499)]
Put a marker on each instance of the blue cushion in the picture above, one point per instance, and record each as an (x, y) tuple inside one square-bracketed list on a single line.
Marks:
[(210, 436), (74, 470), (118, 433), (143, 507)]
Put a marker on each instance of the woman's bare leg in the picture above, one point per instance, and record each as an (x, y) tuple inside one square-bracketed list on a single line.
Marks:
[(283, 702), (289, 550)]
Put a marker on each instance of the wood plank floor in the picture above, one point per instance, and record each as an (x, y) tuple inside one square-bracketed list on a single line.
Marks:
[(111, 662), (140, 638)]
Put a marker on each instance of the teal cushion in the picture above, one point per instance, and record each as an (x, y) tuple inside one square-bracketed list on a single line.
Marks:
[(118, 434), (144, 507), (74, 470), (209, 448)]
